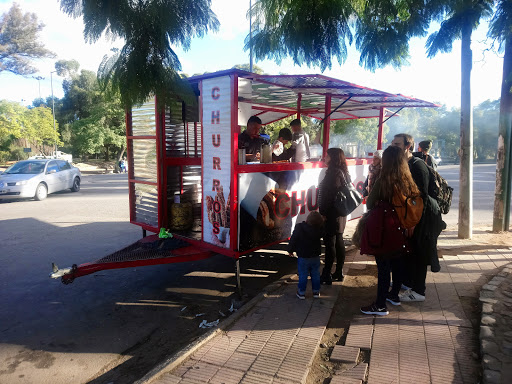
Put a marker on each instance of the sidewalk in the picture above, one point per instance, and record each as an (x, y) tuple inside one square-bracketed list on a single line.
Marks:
[(430, 342)]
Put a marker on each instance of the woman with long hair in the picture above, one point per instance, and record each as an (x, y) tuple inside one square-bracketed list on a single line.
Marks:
[(395, 177), (335, 177)]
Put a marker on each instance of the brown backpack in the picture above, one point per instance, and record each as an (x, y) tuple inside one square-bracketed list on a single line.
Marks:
[(408, 209)]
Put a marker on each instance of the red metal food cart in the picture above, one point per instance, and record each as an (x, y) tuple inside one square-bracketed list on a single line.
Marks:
[(184, 173)]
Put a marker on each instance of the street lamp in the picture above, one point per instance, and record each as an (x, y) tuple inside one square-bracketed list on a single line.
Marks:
[(53, 111), (39, 78)]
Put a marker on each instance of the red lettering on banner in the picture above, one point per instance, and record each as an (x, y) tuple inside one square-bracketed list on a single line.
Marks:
[(215, 93), (215, 184), (301, 202), (216, 143), (216, 163), (280, 207), (312, 192), (215, 117), (216, 226)]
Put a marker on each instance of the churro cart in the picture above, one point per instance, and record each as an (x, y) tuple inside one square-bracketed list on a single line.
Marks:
[(184, 170)]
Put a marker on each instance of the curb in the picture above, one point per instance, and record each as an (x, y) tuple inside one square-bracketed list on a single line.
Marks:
[(489, 348), (179, 357)]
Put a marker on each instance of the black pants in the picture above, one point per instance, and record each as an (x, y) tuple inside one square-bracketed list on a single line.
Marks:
[(384, 268), (334, 247), (411, 272)]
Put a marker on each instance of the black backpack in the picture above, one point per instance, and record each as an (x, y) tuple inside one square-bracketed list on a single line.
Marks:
[(439, 190)]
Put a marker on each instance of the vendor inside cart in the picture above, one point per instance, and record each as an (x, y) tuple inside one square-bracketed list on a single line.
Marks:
[(251, 140)]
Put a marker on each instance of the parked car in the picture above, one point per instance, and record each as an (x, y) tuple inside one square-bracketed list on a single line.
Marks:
[(37, 178)]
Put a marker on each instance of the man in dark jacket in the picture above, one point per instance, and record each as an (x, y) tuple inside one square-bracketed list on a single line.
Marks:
[(251, 140), (423, 148), (424, 240), (306, 241)]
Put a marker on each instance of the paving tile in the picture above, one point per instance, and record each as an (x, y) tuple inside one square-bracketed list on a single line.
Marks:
[(357, 372), (344, 354), (227, 376), (201, 372), (240, 361), (254, 378), (266, 365), (168, 378), (344, 380)]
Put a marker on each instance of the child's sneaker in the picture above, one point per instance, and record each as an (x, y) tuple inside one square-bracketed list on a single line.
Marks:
[(374, 310), (301, 295), (316, 295), (395, 300)]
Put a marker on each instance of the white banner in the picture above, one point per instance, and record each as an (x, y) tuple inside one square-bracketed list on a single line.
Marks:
[(216, 123), (271, 203)]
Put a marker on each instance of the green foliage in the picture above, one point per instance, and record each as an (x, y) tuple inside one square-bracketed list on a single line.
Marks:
[(356, 137), (67, 68), (19, 42), (146, 64), (310, 32), (384, 28), (500, 27), (247, 67), (21, 127), (456, 15), (94, 120)]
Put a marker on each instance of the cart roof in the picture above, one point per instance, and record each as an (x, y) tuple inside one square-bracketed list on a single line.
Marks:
[(275, 96)]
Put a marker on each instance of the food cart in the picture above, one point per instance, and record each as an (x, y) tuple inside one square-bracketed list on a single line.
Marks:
[(184, 173)]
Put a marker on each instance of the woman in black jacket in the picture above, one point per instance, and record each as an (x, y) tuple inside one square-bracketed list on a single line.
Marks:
[(335, 177)]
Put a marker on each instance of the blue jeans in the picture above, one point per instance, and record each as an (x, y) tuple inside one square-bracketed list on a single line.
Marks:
[(308, 267)]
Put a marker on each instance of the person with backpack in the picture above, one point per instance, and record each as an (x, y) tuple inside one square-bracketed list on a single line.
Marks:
[(395, 180), (423, 153), (426, 232)]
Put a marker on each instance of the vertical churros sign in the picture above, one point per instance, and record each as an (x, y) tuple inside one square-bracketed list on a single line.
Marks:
[(216, 123)]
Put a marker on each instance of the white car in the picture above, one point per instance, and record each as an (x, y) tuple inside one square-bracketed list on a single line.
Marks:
[(37, 178)]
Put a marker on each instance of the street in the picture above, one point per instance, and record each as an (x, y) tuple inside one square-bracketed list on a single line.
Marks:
[(115, 326), (111, 326)]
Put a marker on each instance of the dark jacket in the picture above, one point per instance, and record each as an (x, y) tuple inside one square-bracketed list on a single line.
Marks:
[(305, 241), (426, 158), (334, 179), (431, 224), (251, 145)]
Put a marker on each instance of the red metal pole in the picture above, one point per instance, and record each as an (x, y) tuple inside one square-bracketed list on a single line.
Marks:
[(327, 125), (381, 128), (160, 165), (233, 190)]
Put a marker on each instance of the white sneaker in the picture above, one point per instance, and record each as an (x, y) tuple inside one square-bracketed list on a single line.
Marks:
[(410, 295), (404, 287)]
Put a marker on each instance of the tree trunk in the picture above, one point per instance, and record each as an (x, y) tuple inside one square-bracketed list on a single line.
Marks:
[(501, 216), (466, 139)]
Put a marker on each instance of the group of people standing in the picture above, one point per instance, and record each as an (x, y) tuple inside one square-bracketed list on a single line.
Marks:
[(395, 170)]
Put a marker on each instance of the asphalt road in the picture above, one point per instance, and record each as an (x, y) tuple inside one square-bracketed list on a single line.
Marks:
[(115, 326)]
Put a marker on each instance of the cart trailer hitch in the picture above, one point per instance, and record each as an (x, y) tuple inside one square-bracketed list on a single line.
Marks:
[(63, 273)]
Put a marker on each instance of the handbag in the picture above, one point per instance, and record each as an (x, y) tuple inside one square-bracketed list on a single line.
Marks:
[(383, 234), (347, 199)]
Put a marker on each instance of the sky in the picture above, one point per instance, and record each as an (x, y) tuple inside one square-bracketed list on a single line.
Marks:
[(435, 80)]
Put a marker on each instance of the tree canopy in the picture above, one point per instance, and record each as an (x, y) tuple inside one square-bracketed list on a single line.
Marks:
[(147, 63), (19, 42)]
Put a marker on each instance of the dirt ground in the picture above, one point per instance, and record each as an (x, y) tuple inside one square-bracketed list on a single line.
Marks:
[(359, 288)]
